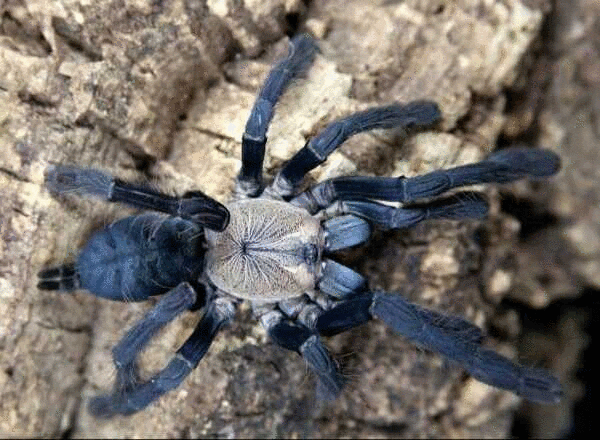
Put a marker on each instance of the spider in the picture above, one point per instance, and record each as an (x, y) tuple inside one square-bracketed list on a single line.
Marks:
[(270, 245)]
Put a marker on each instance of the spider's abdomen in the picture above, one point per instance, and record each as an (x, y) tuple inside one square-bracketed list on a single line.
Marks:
[(270, 251), (140, 256)]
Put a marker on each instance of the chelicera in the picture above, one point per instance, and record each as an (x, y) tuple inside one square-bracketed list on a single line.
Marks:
[(270, 245)]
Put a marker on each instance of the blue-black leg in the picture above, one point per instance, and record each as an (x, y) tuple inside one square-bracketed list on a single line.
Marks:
[(453, 337), (461, 206), (345, 315), (301, 54), (500, 167), (131, 394), (63, 278), (195, 206), (415, 115), (297, 337)]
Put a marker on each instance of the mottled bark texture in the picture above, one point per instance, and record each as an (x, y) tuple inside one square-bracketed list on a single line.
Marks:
[(160, 91)]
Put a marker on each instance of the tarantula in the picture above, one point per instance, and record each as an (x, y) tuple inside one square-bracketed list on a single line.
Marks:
[(269, 245)]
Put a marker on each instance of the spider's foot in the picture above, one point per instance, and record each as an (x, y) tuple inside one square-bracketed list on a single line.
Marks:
[(539, 386)]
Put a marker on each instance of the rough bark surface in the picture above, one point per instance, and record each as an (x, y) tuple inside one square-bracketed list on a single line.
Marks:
[(160, 91)]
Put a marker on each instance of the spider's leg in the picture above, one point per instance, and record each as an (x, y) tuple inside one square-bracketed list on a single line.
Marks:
[(132, 394), (194, 206), (461, 206), (500, 167), (415, 115), (297, 337), (453, 337), (301, 55), (125, 353), (64, 278)]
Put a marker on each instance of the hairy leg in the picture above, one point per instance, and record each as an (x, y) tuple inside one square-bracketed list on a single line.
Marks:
[(195, 206), (500, 167), (296, 336), (461, 206), (301, 55), (415, 115), (451, 336), (131, 394)]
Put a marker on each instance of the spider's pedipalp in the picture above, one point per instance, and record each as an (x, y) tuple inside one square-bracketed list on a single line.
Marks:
[(415, 115), (130, 394), (339, 281), (301, 54), (195, 206), (345, 231)]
